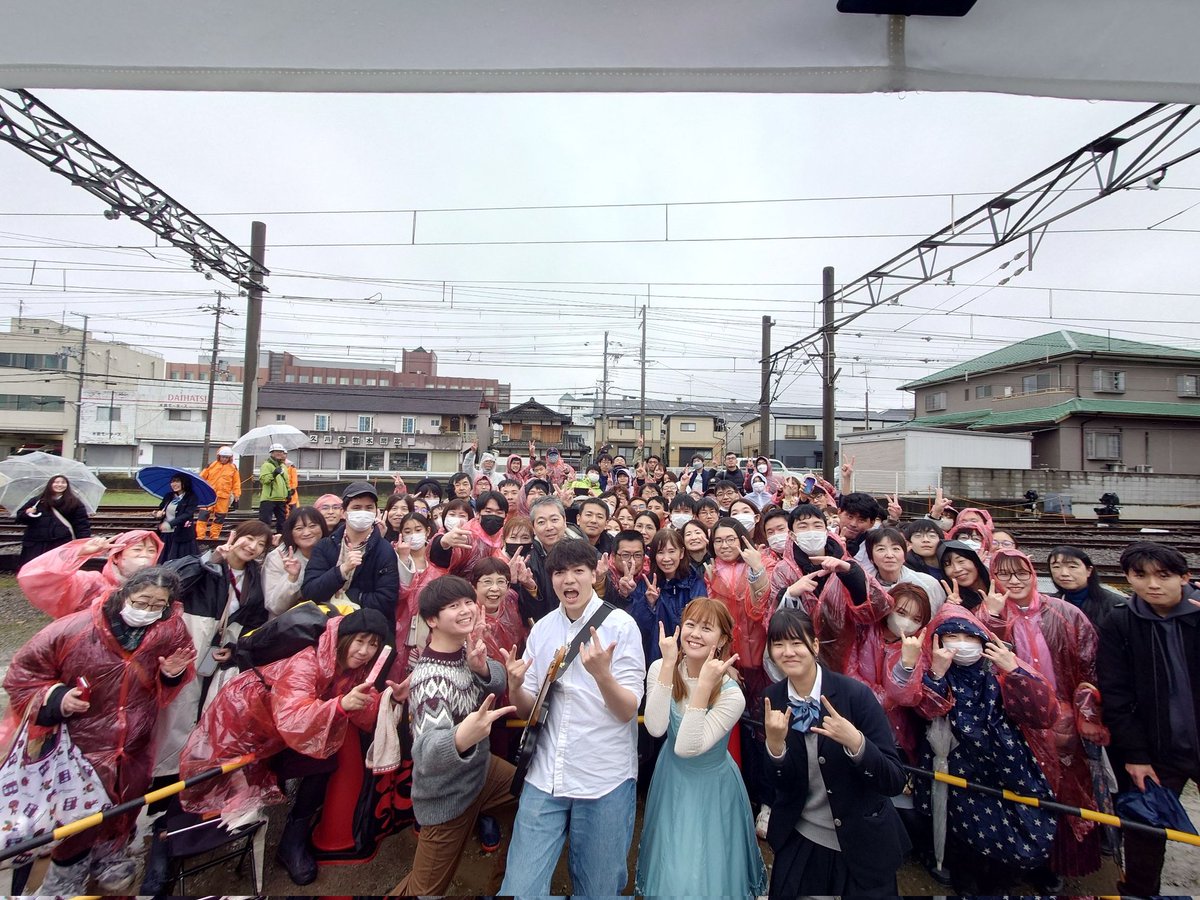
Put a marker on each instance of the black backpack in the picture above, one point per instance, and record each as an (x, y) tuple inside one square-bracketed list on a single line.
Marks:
[(284, 636)]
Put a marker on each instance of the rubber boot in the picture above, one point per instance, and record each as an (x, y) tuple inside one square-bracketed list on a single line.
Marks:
[(293, 853), (489, 834), (157, 880)]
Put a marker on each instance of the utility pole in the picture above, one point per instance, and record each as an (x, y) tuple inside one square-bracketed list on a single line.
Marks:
[(642, 424), (79, 400), (828, 376), (217, 310), (604, 399), (764, 401), (258, 251)]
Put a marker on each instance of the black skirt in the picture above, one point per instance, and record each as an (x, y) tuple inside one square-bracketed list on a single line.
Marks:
[(805, 869)]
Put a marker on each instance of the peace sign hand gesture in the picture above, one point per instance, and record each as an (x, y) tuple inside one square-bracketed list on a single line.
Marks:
[(220, 552), (602, 568), (627, 582), (848, 470), (291, 565), (939, 505), (668, 647), (1002, 658), (953, 594), (713, 673), (477, 659), (845, 732), (894, 509), (478, 724), (515, 666), (653, 591)]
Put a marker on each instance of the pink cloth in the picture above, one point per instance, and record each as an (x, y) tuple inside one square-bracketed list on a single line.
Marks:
[(58, 585)]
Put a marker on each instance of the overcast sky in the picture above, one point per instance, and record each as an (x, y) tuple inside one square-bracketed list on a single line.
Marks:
[(524, 295)]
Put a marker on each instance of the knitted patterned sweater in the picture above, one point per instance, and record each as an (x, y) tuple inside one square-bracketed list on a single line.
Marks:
[(443, 692)]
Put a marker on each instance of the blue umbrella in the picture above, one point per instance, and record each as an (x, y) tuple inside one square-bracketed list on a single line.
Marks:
[(157, 480)]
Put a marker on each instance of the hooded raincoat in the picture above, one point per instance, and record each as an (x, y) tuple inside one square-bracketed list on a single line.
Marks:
[(127, 693), (773, 482), (58, 585), (292, 703), (1058, 640), (995, 733)]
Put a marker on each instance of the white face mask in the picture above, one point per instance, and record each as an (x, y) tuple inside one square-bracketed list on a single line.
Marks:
[(678, 520), (593, 477), (811, 541), (966, 653), (762, 468), (697, 464), (140, 618), (453, 522), (974, 545), (360, 519), (416, 540), (746, 520), (777, 542), (903, 625)]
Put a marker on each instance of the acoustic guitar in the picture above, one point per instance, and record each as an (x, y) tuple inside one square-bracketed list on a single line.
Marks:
[(533, 726)]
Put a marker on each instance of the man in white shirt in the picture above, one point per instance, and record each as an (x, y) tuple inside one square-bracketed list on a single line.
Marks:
[(582, 778)]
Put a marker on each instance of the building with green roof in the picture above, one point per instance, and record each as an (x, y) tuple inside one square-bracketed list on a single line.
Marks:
[(1092, 402)]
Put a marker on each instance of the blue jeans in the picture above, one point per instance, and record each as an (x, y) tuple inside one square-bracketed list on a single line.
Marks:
[(600, 830)]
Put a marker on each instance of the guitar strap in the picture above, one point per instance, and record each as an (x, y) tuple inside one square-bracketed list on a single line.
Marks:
[(585, 635)]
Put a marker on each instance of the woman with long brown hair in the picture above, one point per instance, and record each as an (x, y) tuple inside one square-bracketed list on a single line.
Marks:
[(697, 831)]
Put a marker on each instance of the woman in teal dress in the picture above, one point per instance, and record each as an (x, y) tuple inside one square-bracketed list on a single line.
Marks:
[(698, 831)]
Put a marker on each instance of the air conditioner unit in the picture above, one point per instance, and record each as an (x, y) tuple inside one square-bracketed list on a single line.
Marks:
[(1008, 392), (1145, 470), (1115, 467)]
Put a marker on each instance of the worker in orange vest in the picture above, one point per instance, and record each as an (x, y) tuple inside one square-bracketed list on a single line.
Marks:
[(293, 475), (222, 475)]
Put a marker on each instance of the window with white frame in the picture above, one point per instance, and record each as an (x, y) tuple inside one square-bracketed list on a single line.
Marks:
[(108, 414), (799, 432), (687, 426), (184, 415), (1187, 385), (280, 417), (1108, 381), (435, 423), (365, 423), (1042, 381), (935, 401), (983, 391), (321, 422), (1103, 444), (408, 425), (406, 461)]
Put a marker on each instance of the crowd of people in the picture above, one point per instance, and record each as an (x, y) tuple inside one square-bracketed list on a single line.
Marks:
[(795, 651)]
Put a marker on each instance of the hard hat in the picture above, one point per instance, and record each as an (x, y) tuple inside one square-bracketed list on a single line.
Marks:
[(225, 451), (278, 447)]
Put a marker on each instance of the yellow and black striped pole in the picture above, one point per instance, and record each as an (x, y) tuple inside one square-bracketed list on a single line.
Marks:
[(73, 828), (1054, 806)]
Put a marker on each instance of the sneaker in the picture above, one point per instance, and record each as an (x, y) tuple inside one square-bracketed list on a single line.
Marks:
[(762, 821), (489, 834)]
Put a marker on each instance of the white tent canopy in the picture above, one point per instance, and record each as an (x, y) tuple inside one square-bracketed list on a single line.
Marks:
[(1092, 49)]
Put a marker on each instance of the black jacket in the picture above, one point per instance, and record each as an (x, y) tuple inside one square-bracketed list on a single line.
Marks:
[(531, 606), (44, 532), (374, 585), (869, 830), (1132, 670), (206, 590), (184, 521)]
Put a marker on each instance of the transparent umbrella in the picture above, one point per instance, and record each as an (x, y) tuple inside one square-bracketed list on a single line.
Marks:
[(258, 441), (23, 477)]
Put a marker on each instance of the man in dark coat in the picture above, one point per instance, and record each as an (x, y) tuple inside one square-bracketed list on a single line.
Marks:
[(355, 560)]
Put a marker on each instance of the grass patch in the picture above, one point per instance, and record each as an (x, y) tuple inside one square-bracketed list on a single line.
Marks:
[(132, 499)]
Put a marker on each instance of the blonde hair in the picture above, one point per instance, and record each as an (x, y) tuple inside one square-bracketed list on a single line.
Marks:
[(704, 609)]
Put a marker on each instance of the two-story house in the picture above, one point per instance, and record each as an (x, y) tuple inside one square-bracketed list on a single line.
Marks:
[(797, 432), (533, 421), (1091, 402), (364, 430)]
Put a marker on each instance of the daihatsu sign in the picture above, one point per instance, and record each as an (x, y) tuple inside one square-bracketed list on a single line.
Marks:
[(1092, 49)]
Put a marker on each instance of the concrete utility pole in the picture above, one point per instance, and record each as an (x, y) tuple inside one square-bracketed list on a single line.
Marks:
[(79, 398), (764, 402), (828, 377), (258, 250), (212, 374), (642, 424), (602, 439)]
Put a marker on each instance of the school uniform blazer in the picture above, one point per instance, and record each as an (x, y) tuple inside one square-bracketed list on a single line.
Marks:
[(869, 829)]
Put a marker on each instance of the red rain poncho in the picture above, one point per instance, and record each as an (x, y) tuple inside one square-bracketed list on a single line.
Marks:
[(411, 636), (503, 629), (483, 546), (293, 703), (839, 623), (873, 660), (57, 584), (1061, 643), (117, 733), (730, 584)]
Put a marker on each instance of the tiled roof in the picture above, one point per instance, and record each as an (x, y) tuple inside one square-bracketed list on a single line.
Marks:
[(1049, 415), (1048, 346)]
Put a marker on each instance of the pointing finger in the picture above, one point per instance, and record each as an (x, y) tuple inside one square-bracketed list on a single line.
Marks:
[(829, 706)]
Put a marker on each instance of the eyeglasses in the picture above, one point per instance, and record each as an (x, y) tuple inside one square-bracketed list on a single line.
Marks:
[(726, 542), (1007, 545), (329, 507), (147, 607), (629, 557), (1013, 576)]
